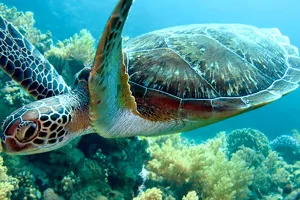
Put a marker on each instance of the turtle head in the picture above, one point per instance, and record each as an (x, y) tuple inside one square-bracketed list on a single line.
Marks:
[(40, 126)]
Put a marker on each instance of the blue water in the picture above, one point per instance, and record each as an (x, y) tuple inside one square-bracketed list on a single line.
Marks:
[(66, 17)]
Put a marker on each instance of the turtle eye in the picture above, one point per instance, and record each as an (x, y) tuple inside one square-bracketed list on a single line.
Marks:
[(26, 131), (30, 132)]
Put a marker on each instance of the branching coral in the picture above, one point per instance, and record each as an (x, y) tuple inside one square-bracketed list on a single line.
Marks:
[(269, 173), (69, 182), (206, 169), (94, 174), (250, 138), (191, 196), (12, 96), (49, 194), (79, 47), (27, 188), (110, 169), (87, 193), (203, 168), (296, 175), (288, 147), (156, 194), (111, 165), (250, 156), (7, 183), (71, 55), (150, 194), (94, 167)]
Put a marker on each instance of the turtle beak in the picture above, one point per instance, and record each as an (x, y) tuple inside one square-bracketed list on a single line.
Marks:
[(8, 141), (11, 146)]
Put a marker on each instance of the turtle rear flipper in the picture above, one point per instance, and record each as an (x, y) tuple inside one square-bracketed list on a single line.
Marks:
[(26, 65), (110, 95)]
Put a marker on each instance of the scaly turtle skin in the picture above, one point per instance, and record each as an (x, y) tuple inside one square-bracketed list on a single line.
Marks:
[(163, 82)]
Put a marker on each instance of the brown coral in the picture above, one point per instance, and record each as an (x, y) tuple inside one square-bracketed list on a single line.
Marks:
[(150, 194)]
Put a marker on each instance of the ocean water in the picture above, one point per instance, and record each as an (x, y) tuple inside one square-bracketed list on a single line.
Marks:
[(82, 162), (66, 17)]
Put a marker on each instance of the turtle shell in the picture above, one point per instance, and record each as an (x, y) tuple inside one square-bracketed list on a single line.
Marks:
[(209, 71)]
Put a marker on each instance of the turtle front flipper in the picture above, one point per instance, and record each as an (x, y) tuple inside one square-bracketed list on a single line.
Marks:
[(110, 94), (26, 65)]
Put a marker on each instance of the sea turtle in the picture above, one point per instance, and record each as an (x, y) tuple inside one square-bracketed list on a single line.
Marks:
[(167, 81)]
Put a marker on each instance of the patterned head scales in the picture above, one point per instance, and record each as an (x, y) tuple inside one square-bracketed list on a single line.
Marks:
[(37, 127)]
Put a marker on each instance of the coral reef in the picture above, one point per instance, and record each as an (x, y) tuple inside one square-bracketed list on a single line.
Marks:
[(204, 168), (120, 160), (191, 196), (96, 168), (295, 195), (215, 172), (156, 194), (7, 183), (71, 55), (150, 194), (13, 96), (49, 194), (87, 168), (27, 188), (272, 175), (237, 166), (79, 47), (69, 183), (268, 175), (250, 138), (287, 147)]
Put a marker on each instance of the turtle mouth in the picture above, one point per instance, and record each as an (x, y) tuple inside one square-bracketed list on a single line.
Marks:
[(11, 146)]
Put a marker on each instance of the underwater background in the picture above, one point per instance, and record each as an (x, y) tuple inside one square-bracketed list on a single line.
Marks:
[(249, 159), (66, 17)]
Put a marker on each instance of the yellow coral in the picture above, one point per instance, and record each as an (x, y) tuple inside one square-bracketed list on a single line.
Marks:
[(192, 195), (150, 194), (12, 96), (7, 183), (204, 168), (79, 47)]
